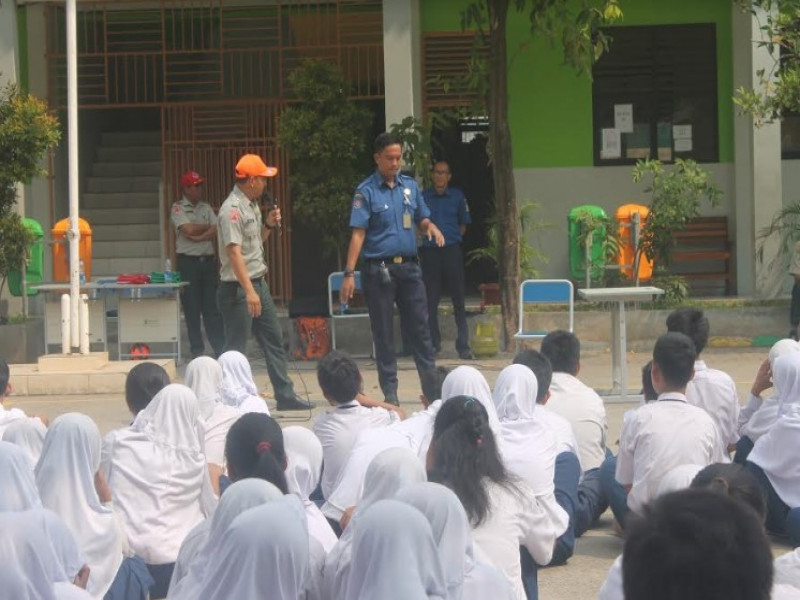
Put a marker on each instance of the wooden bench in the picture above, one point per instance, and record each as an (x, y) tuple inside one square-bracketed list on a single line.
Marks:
[(702, 254)]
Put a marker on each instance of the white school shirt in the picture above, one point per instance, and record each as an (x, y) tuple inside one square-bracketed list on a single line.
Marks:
[(565, 437), (514, 520), (418, 428), (338, 431), (8, 416), (583, 408), (787, 568), (660, 436), (714, 392)]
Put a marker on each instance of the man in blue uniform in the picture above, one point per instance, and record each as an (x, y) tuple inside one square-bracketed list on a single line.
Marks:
[(386, 206), (445, 265)]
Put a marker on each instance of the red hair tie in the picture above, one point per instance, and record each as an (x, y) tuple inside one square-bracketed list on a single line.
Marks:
[(263, 447), (479, 441)]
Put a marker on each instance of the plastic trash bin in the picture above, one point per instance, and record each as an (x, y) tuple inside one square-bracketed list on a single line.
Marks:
[(34, 270), (61, 249), (577, 251), (624, 217)]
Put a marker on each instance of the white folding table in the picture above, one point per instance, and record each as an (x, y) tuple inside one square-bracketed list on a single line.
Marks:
[(618, 297)]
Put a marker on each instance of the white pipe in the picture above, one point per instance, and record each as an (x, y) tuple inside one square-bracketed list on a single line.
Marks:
[(73, 235), (84, 324), (65, 326)]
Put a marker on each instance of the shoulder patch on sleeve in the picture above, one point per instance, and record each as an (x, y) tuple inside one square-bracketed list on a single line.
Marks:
[(177, 208), (358, 200), (234, 215)]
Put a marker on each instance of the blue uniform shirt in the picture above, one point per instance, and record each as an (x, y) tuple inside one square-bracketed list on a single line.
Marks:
[(448, 212), (379, 209)]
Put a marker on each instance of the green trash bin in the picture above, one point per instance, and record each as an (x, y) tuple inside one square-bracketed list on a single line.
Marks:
[(34, 272), (577, 252)]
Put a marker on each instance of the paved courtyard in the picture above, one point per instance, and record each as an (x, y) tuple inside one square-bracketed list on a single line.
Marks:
[(582, 576)]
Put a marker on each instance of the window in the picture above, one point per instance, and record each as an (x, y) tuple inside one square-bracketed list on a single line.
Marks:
[(655, 95)]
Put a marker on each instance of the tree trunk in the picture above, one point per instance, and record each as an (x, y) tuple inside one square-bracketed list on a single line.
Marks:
[(505, 195)]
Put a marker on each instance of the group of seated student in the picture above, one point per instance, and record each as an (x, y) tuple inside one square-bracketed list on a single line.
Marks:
[(204, 495)]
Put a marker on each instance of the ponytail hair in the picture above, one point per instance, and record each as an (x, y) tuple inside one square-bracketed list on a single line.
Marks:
[(465, 453), (734, 480), (254, 448)]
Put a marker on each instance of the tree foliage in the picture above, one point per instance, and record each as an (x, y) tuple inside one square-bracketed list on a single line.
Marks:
[(325, 134)]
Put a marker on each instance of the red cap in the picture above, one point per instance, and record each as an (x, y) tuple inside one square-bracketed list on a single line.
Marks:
[(191, 178)]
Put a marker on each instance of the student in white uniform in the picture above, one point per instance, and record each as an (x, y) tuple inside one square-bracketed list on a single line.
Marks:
[(391, 471), (419, 426), (28, 434), (667, 433), (11, 415), (774, 456), (502, 511), (204, 377), (254, 448), (159, 482), (264, 551), (238, 386), (584, 409), (394, 556), (66, 477), (465, 576), (303, 472), (567, 468), (697, 545), (757, 417), (201, 545), (469, 381), (338, 429), (143, 382), (710, 389)]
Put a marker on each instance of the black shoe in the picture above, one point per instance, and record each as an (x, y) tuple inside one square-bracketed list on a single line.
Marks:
[(296, 403), (391, 399), (466, 355)]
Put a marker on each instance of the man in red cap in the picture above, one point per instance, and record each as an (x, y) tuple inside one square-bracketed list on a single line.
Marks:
[(195, 229), (243, 296)]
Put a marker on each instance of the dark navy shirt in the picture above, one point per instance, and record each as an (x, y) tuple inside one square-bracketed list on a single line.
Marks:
[(448, 212), (379, 209)]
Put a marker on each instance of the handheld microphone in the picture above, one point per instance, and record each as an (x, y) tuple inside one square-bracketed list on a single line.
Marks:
[(273, 204)]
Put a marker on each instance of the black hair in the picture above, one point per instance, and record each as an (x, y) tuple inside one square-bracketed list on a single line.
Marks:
[(563, 350), (339, 377), (384, 140), (444, 161), (648, 390), (143, 382), (432, 381), (541, 367), (464, 453), (5, 377), (690, 322), (254, 448), (696, 545), (674, 355), (735, 481)]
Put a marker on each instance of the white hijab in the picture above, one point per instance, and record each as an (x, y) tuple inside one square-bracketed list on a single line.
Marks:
[(238, 387), (395, 556), (303, 472), (25, 552), (207, 536), (65, 479), (465, 578), (263, 553), (28, 434), (776, 452), (204, 377), (18, 489), (468, 381), (765, 416), (158, 475), (388, 473)]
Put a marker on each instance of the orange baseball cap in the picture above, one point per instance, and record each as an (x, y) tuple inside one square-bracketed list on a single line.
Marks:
[(251, 165), (191, 178)]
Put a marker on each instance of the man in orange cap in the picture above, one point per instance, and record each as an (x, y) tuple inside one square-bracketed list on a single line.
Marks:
[(243, 296), (195, 229)]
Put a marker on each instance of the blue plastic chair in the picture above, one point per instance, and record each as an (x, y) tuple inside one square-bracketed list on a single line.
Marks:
[(544, 291)]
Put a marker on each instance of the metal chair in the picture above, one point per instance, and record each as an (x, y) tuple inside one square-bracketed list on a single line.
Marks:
[(543, 291), (335, 281)]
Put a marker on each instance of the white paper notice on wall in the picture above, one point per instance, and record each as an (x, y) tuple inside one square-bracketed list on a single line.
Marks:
[(683, 145), (610, 144), (682, 132), (623, 118)]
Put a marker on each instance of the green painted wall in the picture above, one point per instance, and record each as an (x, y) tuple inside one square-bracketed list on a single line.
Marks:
[(550, 105)]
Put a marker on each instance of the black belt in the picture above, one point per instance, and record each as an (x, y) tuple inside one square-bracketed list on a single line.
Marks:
[(397, 260), (255, 280), (201, 258)]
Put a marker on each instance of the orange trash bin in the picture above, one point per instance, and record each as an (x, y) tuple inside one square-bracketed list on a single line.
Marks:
[(61, 249), (624, 217)]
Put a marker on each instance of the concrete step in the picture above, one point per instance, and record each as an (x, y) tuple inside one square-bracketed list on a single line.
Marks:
[(116, 266), (131, 138), (136, 232), (120, 200), (125, 169), (127, 249), (130, 154), (122, 184), (116, 216)]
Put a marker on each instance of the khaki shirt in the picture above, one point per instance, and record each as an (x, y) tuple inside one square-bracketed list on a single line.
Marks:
[(239, 222), (183, 213)]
